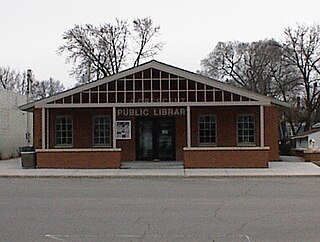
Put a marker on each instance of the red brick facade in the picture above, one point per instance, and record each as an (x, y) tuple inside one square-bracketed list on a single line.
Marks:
[(167, 102), (37, 128), (79, 159), (82, 124), (220, 158), (226, 137), (271, 131)]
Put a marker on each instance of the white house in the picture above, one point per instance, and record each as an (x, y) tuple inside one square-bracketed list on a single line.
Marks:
[(309, 140), (15, 125)]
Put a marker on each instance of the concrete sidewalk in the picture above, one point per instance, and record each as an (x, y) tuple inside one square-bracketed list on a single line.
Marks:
[(12, 168)]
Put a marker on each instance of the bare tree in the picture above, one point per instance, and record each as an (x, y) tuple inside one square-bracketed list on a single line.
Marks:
[(11, 80), (144, 32), (16, 81), (257, 66), (95, 51), (100, 51), (46, 88), (226, 63), (261, 67), (302, 50)]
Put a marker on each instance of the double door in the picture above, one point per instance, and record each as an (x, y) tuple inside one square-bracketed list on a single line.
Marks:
[(155, 139)]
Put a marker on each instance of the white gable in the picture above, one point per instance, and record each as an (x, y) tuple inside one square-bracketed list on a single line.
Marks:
[(153, 84)]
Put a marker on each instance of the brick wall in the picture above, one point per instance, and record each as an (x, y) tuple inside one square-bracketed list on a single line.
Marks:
[(37, 128), (82, 124), (79, 159), (226, 133), (226, 158), (226, 118), (271, 131)]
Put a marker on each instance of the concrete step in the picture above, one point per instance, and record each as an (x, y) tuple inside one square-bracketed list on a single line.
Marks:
[(152, 165)]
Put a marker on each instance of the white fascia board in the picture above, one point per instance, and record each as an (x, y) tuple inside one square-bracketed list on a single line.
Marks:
[(27, 106), (304, 135), (155, 104)]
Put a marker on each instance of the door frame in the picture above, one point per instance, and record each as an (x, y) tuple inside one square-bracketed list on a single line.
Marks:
[(155, 136)]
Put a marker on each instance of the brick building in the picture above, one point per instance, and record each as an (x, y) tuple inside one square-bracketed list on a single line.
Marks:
[(155, 112)]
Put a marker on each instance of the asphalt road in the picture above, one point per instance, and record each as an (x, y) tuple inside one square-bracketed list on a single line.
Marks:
[(225, 209)]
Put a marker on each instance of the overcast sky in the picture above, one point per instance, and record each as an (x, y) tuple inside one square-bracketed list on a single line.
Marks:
[(31, 30)]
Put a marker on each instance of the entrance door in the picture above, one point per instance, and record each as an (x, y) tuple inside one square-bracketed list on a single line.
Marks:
[(155, 139)]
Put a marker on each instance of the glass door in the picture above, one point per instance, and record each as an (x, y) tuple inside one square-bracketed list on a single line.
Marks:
[(166, 140), (145, 140), (155, 139)]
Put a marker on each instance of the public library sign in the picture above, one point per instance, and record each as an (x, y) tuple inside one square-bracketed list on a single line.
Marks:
[(135, 112)]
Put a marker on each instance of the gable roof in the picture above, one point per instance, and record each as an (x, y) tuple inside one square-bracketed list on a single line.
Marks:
[(162, 67), (306, 133)]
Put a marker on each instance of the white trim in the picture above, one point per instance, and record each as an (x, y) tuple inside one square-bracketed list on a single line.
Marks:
[(301, 136), (161, 67), (246, 144), (224, 148), (27, 152), (43, 128), (188, 127), (215, 134), (93, 137), (311, 151), (79, 150), (114, 128), (48, 128), (155, 104), (300, 149), (261, 126), (55, 131)]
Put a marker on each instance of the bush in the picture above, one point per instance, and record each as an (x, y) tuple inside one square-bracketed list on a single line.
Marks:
[(4, 156)]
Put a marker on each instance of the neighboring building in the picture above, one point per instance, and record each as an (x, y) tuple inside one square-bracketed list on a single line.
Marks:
[(308, 140), (307, 144), (13, 124), (155, 112)]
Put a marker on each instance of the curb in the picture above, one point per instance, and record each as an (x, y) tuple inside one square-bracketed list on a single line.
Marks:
[(159, 176)]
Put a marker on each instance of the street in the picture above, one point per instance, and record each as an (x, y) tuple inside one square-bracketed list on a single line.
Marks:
[(160, 209)]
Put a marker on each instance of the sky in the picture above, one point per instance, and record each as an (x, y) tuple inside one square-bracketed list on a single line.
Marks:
[(31, 31)]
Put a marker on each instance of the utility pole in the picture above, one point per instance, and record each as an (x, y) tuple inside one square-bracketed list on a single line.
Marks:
[(86, 77), (29, 85)]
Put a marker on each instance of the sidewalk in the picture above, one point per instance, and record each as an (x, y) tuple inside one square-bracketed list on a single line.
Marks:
[(12, 168)]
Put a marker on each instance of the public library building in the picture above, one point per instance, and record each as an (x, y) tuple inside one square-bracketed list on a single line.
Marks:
[(155, 112)]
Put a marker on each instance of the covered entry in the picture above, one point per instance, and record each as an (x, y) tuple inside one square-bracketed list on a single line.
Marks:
[(155, 139)]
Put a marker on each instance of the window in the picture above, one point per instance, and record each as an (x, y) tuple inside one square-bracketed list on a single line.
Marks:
[(246, 129), (207, 129), (63, 130), (101, 131)]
